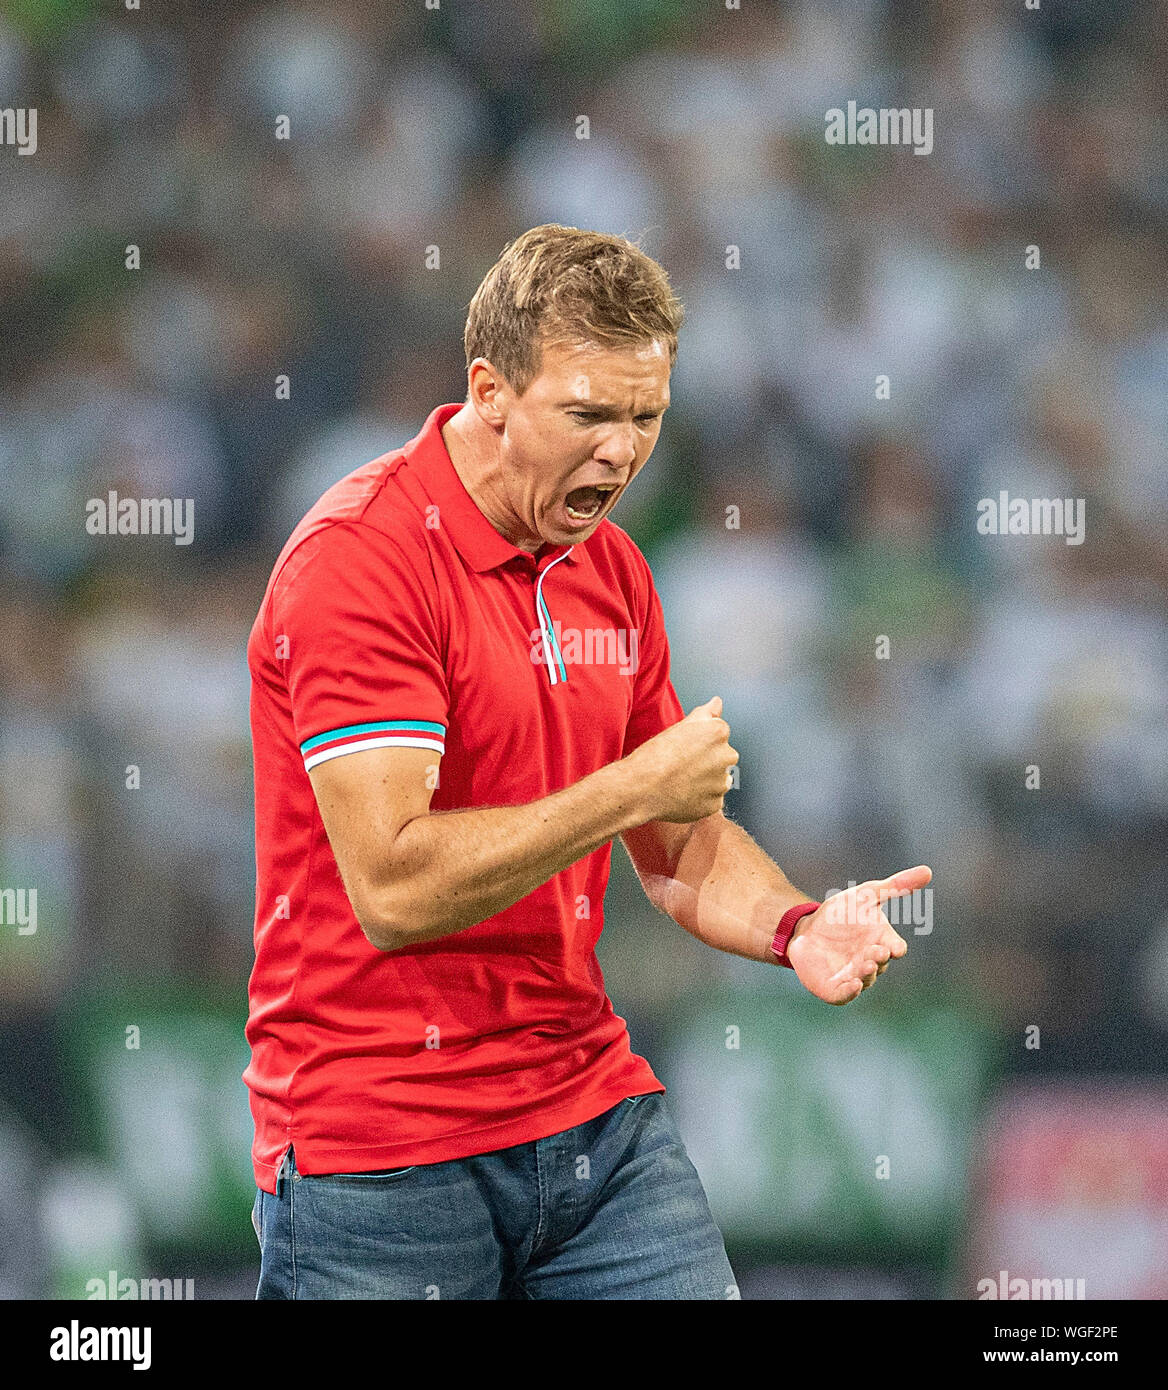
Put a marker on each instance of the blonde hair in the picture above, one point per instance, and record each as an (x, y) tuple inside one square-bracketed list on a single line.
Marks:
[(559, 284)]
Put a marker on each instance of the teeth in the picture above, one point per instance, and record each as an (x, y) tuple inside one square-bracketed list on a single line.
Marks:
[(601, 493)]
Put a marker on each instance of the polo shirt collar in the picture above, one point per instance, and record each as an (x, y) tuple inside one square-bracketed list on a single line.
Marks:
[(473, 536)]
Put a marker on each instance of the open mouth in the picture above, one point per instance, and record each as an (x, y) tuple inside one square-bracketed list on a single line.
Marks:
[(586, 503)]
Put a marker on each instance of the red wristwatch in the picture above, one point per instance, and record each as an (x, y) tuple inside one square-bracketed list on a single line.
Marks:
[(786, 928)]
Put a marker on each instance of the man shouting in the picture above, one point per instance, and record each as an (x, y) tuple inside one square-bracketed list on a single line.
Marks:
[(460, 697)]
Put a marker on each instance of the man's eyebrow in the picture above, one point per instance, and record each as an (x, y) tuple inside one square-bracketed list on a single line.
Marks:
[(609, 411)]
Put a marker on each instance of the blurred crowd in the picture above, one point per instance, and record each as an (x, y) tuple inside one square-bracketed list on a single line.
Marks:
[(1009, 731)]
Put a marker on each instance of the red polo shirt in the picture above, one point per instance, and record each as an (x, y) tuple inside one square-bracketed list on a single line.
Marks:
[(397, 614)]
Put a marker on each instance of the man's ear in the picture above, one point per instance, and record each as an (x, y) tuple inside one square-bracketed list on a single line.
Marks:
[(487, 391)]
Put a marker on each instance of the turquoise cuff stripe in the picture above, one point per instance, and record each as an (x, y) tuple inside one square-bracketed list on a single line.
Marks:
[(420, 724), (551, 632)]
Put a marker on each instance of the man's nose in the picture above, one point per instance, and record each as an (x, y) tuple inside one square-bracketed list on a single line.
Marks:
[(619, 448)]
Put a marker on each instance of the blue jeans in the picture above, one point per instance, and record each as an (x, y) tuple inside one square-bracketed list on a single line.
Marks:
[(610, 1209)]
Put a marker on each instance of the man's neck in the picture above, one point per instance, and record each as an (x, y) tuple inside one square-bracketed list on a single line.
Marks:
[(475, 461)]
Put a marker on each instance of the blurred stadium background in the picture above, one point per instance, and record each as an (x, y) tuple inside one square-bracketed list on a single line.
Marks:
[(456, 128)]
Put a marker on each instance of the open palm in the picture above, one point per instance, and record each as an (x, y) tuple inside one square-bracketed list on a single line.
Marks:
[(838, 950)]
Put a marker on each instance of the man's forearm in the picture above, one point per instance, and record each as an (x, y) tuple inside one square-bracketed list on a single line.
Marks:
[(455, 868), (721, 886)]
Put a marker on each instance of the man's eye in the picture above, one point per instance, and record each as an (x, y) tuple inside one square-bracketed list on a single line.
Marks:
[(589, 418)]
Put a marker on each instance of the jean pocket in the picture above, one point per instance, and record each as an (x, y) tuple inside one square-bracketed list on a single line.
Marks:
[(381, 1175), (256, 1208)]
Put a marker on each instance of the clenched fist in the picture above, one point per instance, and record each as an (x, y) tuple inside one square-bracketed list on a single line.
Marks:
[(684, 770)]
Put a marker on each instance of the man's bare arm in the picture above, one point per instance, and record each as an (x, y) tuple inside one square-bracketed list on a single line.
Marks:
[(412, 875), (714, 881), (438, 873)]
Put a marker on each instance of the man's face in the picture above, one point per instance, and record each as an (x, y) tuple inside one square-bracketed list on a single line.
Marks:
[(578, 436)]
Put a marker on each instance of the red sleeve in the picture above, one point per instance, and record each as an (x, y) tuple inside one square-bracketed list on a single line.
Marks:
[(353, 623), (655, 702)]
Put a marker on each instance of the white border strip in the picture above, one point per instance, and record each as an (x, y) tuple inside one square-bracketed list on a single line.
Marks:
[(386, 741)]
